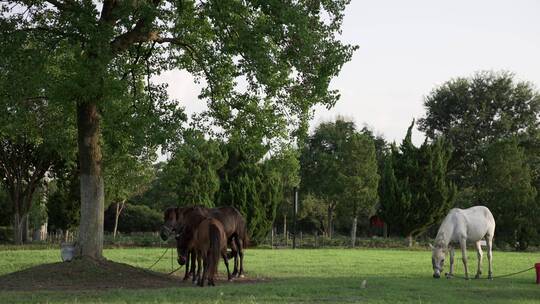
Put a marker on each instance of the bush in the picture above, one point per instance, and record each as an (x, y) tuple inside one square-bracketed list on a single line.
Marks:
[(134, 218), (6, 234)]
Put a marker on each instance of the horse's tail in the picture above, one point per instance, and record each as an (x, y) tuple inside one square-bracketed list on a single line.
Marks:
[(214, 250), (243, 235)]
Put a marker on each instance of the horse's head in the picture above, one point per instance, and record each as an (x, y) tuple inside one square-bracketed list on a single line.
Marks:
[(438, 253), (169, 223), (183, 239)]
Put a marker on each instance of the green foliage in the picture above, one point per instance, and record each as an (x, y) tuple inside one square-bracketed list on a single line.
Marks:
[(339, 167), (264, 65), (506, 188), (134, 218), (64, 202), (415, 191), (473, 112), (256, 188), (312, 214), (37, 215), (6, 207), (191, 173), (358, 176)]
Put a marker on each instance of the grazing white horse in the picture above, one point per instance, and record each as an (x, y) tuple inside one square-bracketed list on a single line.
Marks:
[(461, 226)]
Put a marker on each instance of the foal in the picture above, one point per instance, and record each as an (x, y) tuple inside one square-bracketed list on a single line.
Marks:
[(208, 239)]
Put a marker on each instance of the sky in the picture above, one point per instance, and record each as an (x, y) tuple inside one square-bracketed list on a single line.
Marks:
[(407, 48)]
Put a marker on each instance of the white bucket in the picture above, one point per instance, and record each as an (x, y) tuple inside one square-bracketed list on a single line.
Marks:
[(67, 252)]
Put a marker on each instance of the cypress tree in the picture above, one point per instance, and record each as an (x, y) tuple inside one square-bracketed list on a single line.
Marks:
[(415, 191)]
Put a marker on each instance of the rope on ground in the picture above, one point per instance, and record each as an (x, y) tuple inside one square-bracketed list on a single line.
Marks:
[(511, 274), (170, 273), (161, 257), (501, 276)]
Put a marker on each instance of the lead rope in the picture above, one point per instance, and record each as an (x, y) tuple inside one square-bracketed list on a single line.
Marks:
[(159, 259), (172, 263), (501, 276)]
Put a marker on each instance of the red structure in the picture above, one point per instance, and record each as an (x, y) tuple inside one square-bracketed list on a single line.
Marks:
[(537, 266), (376, 226)]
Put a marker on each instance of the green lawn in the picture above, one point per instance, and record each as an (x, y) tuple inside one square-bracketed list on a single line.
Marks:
[(307, 276)]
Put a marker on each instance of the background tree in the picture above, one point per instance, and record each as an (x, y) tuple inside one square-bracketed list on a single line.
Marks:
[(332, 168), (64, 200), (287, 52), (473, 112), (415, 191), (192, 171), (252, 185), (508, 191), (359, 179), (126, 177)]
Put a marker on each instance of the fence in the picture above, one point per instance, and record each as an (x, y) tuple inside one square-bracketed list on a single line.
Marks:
[(314, 240)]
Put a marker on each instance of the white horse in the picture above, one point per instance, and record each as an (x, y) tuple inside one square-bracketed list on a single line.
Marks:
[(460, 226)]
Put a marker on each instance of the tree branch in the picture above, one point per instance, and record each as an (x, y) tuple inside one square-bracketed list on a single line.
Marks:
[(107, 15), (141, 32)]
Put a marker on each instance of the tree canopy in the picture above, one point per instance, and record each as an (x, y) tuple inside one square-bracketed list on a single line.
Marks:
[(254, 57)]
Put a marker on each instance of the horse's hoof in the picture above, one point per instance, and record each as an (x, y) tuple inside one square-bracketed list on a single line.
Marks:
[(467, 278), (477, 276), (449, 275), (490, 277)]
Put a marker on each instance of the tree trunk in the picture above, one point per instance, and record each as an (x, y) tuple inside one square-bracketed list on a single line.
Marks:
[(330, 222), (17, 229), (24, 228), (285, 229), (410, 240), (90, 242), (353, 231), (119, 208)]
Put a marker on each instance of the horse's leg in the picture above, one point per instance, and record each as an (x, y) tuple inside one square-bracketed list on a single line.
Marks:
[(193, 259), (452, 253), (463, 243), (197, 277), (205, 270), (240, 251), (479, 254), (489, 243), (226, 261), (186, 273), (234, 253)]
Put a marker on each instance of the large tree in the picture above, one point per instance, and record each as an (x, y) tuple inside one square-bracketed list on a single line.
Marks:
[(473, 112), (286, 52)]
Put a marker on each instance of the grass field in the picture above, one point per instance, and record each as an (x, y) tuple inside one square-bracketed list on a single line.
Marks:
[(307, 276)]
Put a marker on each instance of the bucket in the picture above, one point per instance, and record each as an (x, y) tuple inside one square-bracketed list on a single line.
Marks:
[(67, 252), (537, 266)]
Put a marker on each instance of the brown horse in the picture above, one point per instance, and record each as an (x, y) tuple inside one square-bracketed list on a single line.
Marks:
[(231, 219), (208, 239)]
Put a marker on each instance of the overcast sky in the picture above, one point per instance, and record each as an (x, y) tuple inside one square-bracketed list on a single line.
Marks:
[(409, 47)]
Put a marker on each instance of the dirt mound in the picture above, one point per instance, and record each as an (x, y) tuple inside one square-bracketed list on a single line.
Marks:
[(87, 274)]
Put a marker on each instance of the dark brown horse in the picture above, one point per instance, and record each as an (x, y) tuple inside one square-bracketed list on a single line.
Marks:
[(208, 240), (231, 219)]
